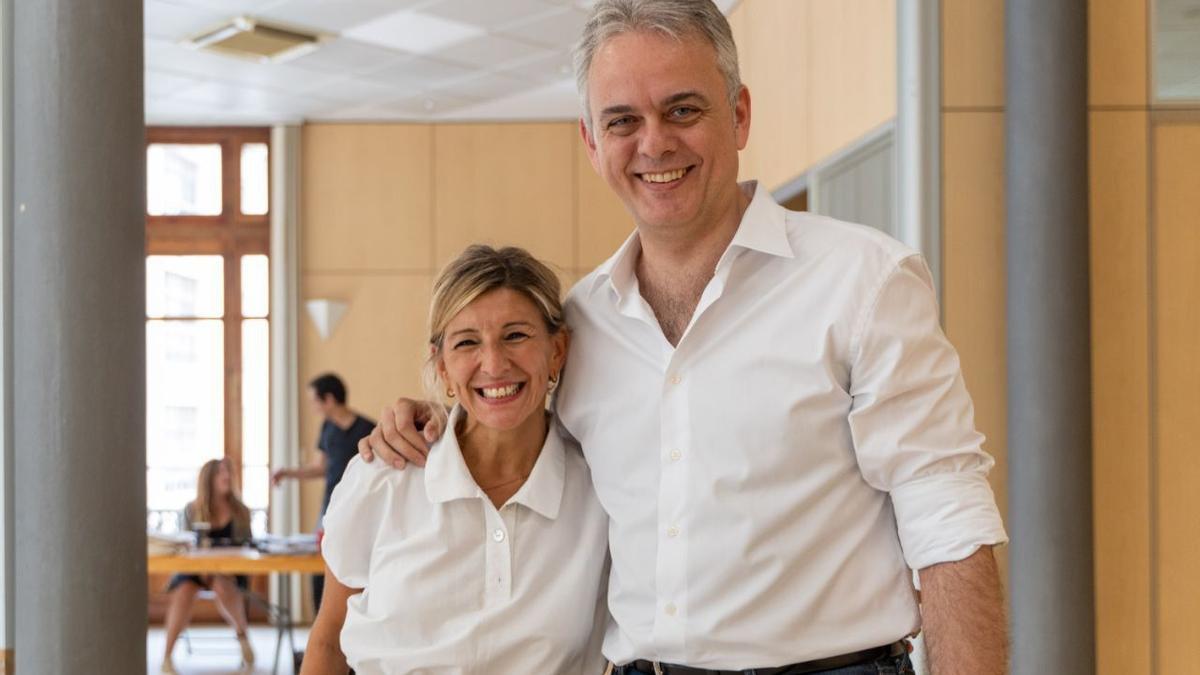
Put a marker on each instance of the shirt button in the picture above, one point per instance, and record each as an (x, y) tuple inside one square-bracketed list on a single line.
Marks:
[(670, 609), (675, 379), (672, 531), (676, 455), (498, 535)]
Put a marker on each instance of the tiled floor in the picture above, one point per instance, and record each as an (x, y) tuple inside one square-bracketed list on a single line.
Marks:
[(216, 652)]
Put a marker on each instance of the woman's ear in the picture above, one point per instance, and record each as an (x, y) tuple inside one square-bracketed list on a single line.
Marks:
[(439, 365), (562, 345)]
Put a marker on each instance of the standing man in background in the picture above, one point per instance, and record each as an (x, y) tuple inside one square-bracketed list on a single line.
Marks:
[(337, 443)]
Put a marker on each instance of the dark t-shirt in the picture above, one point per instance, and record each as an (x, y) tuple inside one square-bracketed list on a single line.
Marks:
[(340, 446)]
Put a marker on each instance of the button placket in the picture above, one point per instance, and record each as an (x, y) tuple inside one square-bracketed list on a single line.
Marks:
[(671, 563), (497, 556)]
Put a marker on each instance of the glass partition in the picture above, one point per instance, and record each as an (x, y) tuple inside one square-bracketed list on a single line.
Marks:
[(1176, 51)]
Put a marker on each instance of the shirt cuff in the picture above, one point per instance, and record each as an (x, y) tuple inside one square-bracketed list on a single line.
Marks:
[(946, 518)]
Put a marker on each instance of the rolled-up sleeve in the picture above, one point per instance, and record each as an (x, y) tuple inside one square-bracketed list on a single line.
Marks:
[(351, 522), (913, 424)]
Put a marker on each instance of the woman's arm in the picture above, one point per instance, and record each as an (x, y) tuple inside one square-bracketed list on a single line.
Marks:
[(324, 656)]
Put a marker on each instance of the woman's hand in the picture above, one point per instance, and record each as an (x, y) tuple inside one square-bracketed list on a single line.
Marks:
[(405, 431)]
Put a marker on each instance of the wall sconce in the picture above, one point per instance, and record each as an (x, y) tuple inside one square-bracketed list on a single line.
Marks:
[(325, 314)]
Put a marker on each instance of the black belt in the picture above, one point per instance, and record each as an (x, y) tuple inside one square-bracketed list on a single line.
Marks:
[(833, 662)]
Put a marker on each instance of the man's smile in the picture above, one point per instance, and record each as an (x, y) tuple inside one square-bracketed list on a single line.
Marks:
[(664, 176)]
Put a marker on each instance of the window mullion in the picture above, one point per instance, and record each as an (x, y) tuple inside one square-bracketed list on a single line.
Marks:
[(233, 358)]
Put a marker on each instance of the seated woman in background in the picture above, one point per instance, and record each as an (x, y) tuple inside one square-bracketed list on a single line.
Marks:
[(491, 558), (218, 506)]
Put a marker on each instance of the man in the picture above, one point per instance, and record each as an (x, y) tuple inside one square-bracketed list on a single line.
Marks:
[(775, 423), (337, 443)]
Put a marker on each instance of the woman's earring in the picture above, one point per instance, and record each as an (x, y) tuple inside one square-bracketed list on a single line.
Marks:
[(553, 382), (449, 392)]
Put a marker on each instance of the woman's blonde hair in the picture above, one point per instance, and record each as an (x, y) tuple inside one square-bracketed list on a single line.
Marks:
[(204, 506), (481, 269)]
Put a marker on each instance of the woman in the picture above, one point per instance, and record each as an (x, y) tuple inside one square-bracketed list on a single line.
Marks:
[(217, 504), (491, 558)]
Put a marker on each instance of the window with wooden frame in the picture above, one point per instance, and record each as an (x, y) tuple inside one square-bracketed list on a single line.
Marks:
[(207, 315)]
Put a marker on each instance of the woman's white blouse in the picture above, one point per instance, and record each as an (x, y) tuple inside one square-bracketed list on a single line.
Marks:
[(453, 585)]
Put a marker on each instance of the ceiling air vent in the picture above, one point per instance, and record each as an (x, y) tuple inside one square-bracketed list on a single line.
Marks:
[(246, 38)]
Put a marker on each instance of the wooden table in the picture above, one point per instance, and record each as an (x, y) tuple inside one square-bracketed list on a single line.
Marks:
[(234, 561), (247, 561)]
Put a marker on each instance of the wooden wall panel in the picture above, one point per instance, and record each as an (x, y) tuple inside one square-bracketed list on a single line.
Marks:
[(1117, 52), (972, 53), (1120, 391), (508, 184), (851, 64), (973, 284), (366, 197), (778, 81), (821, 73), (1176, 324), (378, 347), (601, 217)]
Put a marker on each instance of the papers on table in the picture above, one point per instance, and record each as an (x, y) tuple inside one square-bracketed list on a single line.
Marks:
[(158, 543), (295, 544)]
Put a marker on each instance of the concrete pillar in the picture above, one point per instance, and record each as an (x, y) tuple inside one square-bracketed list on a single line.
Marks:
[(79, 337), (285, 317), (7, 510), (1049, 400)]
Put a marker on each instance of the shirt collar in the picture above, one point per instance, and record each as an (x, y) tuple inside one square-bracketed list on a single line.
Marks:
[(764, 224), (447, 477), (763, 228), (619, 269)]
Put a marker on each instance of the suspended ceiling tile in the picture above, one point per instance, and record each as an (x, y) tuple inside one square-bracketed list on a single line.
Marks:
[(414, 32), (490, 51), (347, 56), (551, 67), (333, 16), (485, 87), (347, 90), (419, 73), (373, 111), (410, 108), (170, 114), (159, 84), (229, 7), (552, 102), (478, 13), (255, 99), (176, 22), (182, 60), (552, 29)]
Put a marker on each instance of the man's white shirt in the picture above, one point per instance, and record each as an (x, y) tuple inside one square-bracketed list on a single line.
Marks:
[(770, 480), (454, 585)]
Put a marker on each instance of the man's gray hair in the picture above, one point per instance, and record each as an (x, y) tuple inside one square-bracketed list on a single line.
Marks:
[(678, 19)]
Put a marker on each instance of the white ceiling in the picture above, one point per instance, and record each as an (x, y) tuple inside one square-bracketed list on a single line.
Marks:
[(383, 60)]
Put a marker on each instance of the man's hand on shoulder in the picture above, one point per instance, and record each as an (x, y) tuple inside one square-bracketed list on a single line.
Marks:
[(406, 430)]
